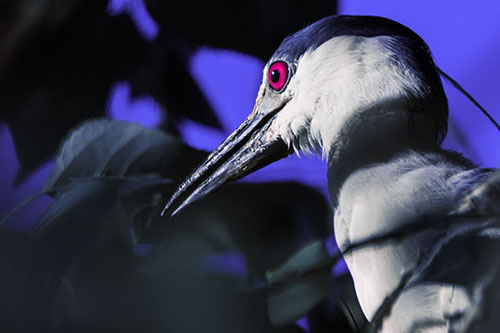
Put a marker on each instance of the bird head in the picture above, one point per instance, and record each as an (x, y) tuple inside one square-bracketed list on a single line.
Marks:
[(340, 80)]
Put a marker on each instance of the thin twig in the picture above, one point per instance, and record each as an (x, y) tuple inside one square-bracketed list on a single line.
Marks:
[(469, 96)]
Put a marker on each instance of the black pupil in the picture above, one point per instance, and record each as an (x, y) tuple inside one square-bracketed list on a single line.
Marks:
[(275, 76)]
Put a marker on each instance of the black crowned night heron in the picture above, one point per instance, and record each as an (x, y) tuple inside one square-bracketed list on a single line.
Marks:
[(365, 93)]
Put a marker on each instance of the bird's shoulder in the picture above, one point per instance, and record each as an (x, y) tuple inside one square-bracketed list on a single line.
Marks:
[(412, 185)]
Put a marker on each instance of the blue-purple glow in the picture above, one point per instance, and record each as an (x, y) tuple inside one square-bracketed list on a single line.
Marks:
[(142, 250), (303, 323), (231, 263), (143, 110), (138, 13), (10, 196), (230, 80), (340, 268), (200, 136), (331, 245)]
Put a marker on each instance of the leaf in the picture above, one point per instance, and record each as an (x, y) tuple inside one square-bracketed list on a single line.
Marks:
[(130, 185), (77, 202), (85, 200), (298, 297), (348, 303), (105, 147), (108, 148), (298, 292), (307, 258)]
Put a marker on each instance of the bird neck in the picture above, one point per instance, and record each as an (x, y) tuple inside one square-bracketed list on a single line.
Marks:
[(373, 137)]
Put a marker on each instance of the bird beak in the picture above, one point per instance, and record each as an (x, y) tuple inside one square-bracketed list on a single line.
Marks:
[(249, 148)]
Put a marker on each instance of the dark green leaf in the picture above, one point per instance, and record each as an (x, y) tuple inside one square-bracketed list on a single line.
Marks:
[(302, 282), (78, 201), (130, 185), (296, 298), (307, 258), (348, 303), (79, 204), (105, 147)]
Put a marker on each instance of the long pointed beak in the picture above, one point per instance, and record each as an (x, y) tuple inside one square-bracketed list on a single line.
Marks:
[(246, 150)]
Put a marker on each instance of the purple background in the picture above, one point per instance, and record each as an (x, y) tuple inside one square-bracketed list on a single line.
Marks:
[(463, 38)]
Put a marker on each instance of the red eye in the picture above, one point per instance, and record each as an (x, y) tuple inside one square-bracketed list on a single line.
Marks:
[(278, 73)]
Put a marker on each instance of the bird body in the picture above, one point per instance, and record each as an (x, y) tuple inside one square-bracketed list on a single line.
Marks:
[(364, 93), (380, 197)]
